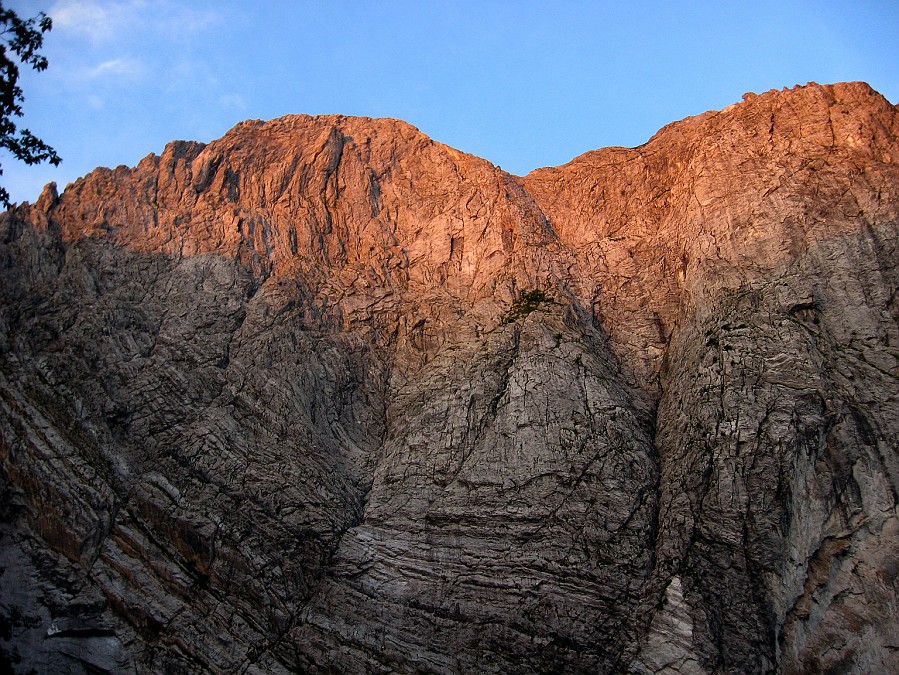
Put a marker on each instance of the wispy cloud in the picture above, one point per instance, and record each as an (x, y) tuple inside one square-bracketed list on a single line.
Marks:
[(104, 21), (120, 67), (97, 21), (106, 42)]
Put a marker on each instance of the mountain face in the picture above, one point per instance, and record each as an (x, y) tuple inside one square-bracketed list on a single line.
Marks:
[(327, 396)]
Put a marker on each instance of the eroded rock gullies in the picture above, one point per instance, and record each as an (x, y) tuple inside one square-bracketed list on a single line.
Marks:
[(325, 395)]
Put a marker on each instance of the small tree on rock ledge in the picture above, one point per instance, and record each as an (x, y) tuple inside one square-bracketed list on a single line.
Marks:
[(527, 302), (20, 41)]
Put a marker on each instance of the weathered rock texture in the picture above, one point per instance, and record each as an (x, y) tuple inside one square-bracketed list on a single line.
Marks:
[(327, 396)]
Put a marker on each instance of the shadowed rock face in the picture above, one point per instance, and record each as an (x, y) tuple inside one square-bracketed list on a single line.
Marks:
[(324, 395)]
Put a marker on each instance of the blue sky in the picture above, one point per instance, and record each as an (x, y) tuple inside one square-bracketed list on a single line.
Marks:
[(522, 84)]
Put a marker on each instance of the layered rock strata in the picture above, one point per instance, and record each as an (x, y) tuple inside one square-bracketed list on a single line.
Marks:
[(325, 395)]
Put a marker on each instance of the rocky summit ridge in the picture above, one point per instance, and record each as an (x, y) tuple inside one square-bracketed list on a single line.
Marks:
[(325, 395)]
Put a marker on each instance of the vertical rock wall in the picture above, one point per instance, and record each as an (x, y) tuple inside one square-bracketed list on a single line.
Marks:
[(325, 395)]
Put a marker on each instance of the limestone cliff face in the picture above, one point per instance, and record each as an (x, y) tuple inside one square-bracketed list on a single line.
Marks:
[(324, 395)]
